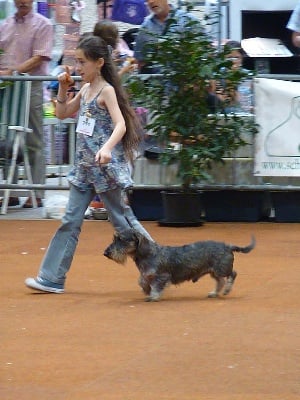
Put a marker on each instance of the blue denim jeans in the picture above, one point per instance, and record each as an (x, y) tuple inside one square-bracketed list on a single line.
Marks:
[(59, 255)]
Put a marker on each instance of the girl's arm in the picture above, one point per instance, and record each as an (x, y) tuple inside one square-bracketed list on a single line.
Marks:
[(66, 107), (108, 100)]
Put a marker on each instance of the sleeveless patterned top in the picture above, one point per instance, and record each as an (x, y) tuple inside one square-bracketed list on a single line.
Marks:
[(86, 173)]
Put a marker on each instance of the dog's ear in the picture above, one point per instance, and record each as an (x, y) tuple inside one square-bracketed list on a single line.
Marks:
[(143, 243), (126, 236), (138, 237)]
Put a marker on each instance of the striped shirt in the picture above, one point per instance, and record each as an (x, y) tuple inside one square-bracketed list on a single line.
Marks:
[(21, 39)]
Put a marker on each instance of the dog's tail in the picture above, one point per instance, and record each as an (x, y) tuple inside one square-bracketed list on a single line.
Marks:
[(245, 249)]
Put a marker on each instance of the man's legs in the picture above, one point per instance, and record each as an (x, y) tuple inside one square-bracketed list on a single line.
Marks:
[(35, 139)]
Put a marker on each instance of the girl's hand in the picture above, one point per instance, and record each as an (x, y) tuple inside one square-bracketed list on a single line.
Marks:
[(65, 79), (103, 156)]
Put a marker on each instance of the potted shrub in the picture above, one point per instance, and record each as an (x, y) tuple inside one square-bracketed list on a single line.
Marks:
[(191, 125)]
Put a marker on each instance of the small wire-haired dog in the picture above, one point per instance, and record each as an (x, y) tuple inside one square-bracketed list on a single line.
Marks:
[(163, 265)]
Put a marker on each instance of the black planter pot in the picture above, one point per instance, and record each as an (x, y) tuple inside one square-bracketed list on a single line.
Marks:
[(234, 205), (181, 208), (286, 206), (146, 204)]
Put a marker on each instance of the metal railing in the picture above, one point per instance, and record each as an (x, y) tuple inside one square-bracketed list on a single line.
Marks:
[(260, 187), (13, 113)]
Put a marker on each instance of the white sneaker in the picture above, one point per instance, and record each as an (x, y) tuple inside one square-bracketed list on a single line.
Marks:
[(43, 286)]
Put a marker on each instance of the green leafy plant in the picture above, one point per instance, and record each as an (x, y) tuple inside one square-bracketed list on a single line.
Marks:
[(193, 128), (4, 84)]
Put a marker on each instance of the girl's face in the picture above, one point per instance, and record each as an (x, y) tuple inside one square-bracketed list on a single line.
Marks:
[(87, 69), (236, 57)]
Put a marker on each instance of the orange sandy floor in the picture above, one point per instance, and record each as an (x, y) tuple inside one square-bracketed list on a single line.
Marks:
[(101, 341)]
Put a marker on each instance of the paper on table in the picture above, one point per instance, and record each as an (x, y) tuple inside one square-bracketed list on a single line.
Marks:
[(264, 47)]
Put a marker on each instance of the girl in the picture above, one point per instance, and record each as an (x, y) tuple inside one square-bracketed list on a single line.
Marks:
[(106, 140), (108, 31)]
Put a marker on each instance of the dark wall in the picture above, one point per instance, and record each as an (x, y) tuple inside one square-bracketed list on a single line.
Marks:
[(271, 24)]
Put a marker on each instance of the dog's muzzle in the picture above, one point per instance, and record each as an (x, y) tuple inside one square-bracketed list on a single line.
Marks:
[(107, 253)]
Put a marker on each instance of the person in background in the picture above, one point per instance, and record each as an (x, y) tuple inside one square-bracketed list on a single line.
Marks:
[(294, 25), (121, 53), (238, 99), (129, 37), (107, 136), (26, 39), (157, 23)]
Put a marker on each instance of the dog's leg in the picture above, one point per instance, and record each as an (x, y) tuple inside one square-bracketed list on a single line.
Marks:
[(229, 283), (220, 282), (157, 286), (144, 283)]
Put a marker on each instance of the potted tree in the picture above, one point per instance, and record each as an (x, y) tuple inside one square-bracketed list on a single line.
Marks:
[(191, 125)]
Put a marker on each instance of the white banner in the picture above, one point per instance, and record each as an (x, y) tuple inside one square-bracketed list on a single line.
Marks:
[(277, 111), (263, 5)]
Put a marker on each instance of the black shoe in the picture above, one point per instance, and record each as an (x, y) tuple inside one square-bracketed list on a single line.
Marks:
[(28, 203), (12, 202)]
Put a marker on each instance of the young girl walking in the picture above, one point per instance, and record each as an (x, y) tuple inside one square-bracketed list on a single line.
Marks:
[(107, 137)]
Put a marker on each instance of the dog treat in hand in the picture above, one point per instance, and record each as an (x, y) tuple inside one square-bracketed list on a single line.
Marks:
[(69, 78)]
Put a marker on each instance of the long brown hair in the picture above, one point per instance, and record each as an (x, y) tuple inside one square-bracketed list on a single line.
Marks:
[(94, 47)]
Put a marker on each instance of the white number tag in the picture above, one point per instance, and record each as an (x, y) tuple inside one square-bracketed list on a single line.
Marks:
[(85, 125)]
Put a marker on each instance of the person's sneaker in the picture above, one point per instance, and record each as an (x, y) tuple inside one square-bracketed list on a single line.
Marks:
[(43, 286)]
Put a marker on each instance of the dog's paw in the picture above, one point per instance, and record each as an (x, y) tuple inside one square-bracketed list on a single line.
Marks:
[(212, 295), (228, 287), (151, 299), (154, 296), (227, 290)]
